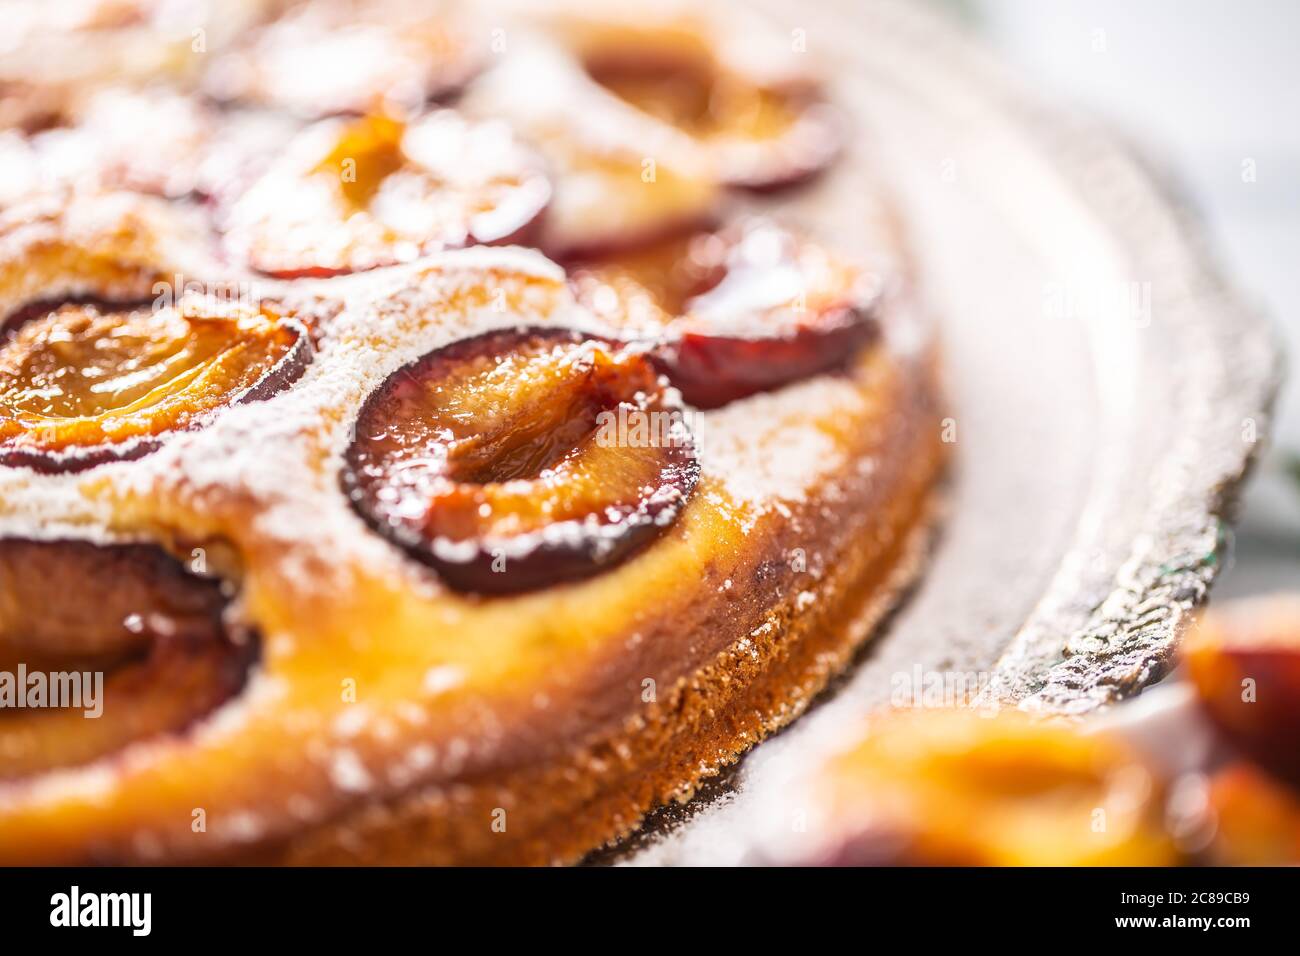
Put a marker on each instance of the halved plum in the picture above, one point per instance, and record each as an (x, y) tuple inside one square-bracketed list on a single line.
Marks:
[(744, 310), (764, 132), (965, 788), (82, 383), (621, 179), (1244, 660), (521, 458), (1257, 818), (375, 191), (113, 583), (143, 650), (346, 56)]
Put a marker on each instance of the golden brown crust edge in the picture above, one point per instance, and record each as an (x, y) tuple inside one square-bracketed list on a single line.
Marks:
[(556, 813), (612, 757)]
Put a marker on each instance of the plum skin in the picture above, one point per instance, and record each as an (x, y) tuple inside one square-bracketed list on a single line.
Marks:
[(747, 340), (714, 370), (566, 550), (285, 371), (157, 632)]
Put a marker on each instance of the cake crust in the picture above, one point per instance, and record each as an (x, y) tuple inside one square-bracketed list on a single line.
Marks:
[(386, 704), (389, 714)]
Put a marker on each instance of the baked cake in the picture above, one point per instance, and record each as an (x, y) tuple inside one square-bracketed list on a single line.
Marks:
[(424, 423)]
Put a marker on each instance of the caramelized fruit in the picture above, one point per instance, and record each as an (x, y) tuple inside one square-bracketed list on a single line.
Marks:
[(744, 310), (1244, 659), (341, 56), (143, 646), (959, 787), (620, 178), (602, 201), (117, 246), (374, 191), (762, 135), (1257, 817), (85, 384), (518, 459), (112, 584)]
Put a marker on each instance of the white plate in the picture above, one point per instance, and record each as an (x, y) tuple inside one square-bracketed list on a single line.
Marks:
[(1109, 394)]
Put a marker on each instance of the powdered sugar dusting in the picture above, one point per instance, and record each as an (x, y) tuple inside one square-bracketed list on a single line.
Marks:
[(768, 447), (348, 773), (263, 477)]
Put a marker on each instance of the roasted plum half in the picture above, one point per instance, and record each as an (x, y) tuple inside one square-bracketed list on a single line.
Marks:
[(621, 179), (1244, 660), (83, 383), (519, 459), (350, 56), (961, 787), (143, 651), (744, 310), (355, 195), (1256, 816), (763, 132)]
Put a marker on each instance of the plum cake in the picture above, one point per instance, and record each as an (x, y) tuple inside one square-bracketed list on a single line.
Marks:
[(425, 435)]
